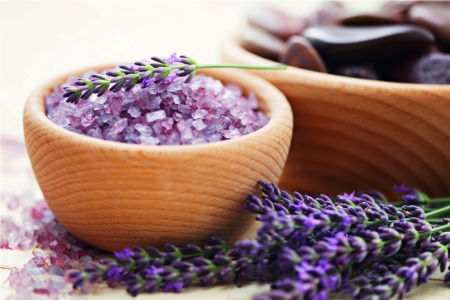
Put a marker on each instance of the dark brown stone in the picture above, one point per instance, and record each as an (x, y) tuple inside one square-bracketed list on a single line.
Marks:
[(356, 44), (365, 19), (261, 43), (276, 22), (396, 9), (331, 13), (298, 52), (363, 72), (436, 18), (432, 68)]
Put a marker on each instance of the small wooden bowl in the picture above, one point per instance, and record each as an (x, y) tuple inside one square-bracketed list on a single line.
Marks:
[(113, 195), (352, 134)]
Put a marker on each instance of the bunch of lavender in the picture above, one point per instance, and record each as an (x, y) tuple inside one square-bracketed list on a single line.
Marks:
[(306, 247), (145, 72)]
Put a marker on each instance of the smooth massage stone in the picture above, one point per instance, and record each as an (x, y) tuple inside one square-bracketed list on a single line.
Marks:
[(331, 13), (261, 43), (436, 18), (363, 72), (364, 19), (298, 52), (276, 22), (368, 43), (432, 68), (397, 9)]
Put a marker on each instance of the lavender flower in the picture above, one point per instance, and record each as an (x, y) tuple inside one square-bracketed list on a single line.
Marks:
[(143, 72), (305, 247)]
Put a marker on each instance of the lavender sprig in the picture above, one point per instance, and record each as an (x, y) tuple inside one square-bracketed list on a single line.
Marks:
[(143, 73), (306, 247)]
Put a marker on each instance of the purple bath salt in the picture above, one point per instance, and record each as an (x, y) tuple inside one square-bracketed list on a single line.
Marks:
[(168, 113)]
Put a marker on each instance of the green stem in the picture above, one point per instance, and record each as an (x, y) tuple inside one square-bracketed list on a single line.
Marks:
[(210, 66), (203, 253), (438, 211), (433, 220), (431, 201), (441, 228)]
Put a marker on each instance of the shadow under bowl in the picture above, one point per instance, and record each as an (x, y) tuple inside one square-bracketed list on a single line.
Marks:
[(112, 195), (356, 134)]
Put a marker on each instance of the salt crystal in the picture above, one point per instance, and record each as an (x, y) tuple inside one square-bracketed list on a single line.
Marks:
[(157, 127), (58, 282), (214, 138), (149, 140), (156, 115), (203, 110), (177, 116), (55, 270), (154, 103), (114, 137), (252, 101), (86, 259), (167, 123), (185, 109), (200, 113), (152, 89), (134, 111), (143, 129), (187, 134), (181, 125), (198, 124), (232, 134), (119, 126), (74, 121), (161, 87), (115, 105), (176, 99), (248, 129)]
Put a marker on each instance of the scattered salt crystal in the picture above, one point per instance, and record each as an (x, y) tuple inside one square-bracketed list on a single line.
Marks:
[(160, 114), (55, 270), (156, 115), (58, 282), (86, 259)]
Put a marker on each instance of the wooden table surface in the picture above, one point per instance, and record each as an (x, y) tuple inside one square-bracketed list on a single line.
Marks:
[(42, 39)]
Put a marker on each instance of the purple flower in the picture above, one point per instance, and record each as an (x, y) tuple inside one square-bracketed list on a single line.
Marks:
[(124, 254), (172, 59), (176, 287)]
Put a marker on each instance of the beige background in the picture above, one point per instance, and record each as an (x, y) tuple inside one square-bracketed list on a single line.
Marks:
[(42, 39)]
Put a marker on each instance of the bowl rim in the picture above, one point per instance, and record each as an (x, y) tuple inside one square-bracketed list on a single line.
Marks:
[(277, 109), (232, 45)]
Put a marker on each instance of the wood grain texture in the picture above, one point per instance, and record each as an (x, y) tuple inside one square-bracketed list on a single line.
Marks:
[(114, 195), (352, 134)]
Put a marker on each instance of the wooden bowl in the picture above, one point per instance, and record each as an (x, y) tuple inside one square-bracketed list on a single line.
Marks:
[(352, 134), (113, 195)]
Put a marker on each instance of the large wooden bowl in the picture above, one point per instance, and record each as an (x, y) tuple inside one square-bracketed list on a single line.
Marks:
[(112, 194), (352, 134)]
